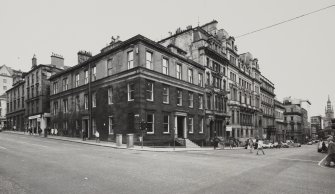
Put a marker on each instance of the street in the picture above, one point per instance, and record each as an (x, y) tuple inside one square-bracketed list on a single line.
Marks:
[(37, 165)]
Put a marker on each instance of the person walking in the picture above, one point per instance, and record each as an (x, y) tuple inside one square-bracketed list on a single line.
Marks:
[(251, 145), (97, 136), (260, 146), (84, 134), (331, 151), (231, 143)]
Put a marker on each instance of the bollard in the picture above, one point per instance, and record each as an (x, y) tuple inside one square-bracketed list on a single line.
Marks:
[(130, 140), (118, 139)]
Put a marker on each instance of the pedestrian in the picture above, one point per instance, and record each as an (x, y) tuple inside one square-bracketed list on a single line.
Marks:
[(251, 145), (260, 146), (56, 132), (52, 131), (39, 131), (324, 147), (97, 136), (331, 151), (83, 134), (231, 143), (216, 142)]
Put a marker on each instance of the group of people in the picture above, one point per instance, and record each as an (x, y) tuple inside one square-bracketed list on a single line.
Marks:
[(96, 134), (34, 130), (258, 145)]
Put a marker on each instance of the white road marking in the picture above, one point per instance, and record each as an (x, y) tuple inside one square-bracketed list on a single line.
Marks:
[(32, 144), (298, 160), (3, 148), (322, 162)]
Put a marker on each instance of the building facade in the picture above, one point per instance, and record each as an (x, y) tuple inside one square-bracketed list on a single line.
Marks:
[(293, 116), (316, 126), (3, 107), (203, 46), (239, 76), (28, 99), (267, 105), (126, 83), (280, 124)]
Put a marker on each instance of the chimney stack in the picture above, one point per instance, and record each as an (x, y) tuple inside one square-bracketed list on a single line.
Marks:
[(34, 62), (83, 56), (57, 60)]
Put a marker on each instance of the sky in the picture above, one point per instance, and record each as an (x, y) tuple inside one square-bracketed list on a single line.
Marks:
[(295, 56)]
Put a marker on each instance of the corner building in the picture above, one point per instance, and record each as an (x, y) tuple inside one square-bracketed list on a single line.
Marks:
[(128, 82)]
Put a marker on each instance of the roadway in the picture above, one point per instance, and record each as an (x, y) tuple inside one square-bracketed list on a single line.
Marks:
[(37, 165)]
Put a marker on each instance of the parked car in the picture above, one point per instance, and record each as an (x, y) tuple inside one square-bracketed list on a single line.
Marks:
[(323, 146), (292, 144), (310, 143), (277, 145), (284, 145), (315, 141), (267, 144)]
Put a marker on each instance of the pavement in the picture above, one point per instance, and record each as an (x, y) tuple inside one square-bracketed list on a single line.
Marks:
[(123, 146), (34, 165)]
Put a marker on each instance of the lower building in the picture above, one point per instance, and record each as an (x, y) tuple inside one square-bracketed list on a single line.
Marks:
[(280, 124), (3, 103), (144, 83)]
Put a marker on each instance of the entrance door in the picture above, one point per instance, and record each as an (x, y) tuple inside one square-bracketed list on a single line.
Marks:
[(211, 129), (180, 126), (85, 127)]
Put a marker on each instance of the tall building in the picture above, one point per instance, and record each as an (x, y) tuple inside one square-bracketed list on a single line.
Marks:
[(329, 115), (129, 82), (267, 99), (28, 99), (233, 77)]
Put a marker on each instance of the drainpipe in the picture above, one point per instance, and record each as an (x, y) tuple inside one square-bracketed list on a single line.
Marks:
[(89, 102)]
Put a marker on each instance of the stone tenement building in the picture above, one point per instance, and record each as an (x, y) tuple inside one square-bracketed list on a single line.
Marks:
[(280, 124), (28, 100), (296, 118), (238, 74), (267, 98), (128, 82)]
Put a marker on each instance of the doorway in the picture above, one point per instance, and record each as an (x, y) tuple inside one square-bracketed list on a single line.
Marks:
[(85, 127), (180, 126)]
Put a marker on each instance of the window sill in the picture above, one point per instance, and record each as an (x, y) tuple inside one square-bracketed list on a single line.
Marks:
[(150, 133), (166, 133)]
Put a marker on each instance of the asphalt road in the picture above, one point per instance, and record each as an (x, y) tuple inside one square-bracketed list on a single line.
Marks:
[(37, 165)]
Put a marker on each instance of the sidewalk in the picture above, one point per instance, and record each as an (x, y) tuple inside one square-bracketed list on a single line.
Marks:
[(123, 146)]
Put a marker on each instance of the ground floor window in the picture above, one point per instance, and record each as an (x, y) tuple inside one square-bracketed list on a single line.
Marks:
[(201, 125), (150, 123), (190, 124), (166, 123)]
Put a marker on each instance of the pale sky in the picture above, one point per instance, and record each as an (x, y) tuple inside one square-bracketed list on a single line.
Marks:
[(295, 56)]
